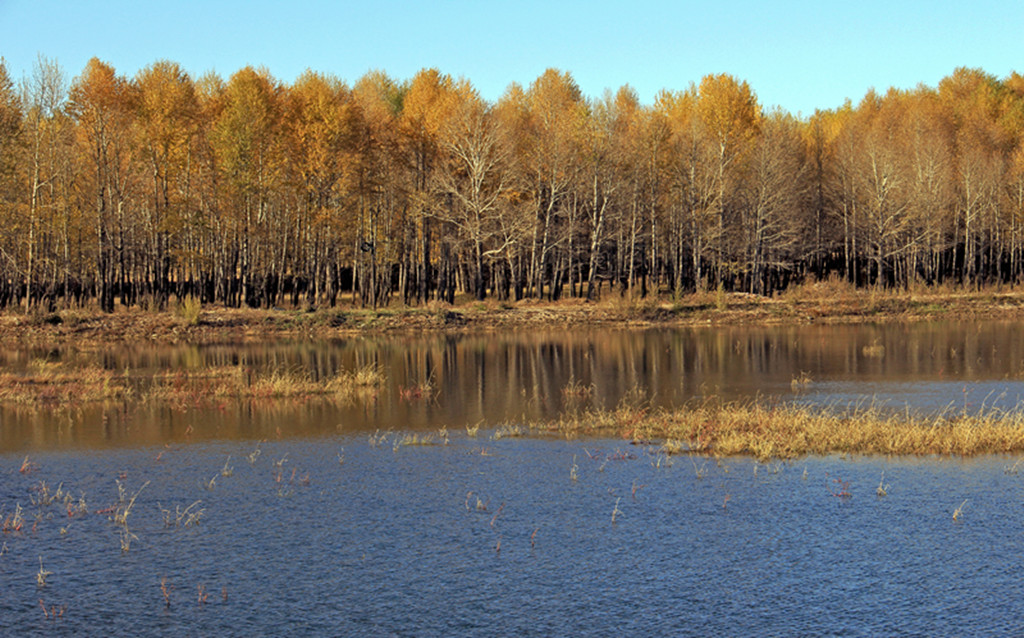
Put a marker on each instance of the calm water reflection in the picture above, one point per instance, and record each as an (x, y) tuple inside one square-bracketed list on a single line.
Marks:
[(522, 376)]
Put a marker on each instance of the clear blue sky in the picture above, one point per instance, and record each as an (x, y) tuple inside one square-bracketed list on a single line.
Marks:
[(800, 55)]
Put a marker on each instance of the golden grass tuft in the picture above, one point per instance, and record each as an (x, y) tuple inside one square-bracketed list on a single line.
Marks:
[(189, 310)]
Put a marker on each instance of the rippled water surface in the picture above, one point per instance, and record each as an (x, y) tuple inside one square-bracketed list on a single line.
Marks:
[(322, 519), (484, 537)]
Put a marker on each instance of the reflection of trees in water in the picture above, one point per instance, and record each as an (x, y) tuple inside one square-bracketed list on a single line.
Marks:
[(518, 376)]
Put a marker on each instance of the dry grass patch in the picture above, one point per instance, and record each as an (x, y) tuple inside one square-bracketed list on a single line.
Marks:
[(236, 382), (782, 431), (59, 384), (51, 383)]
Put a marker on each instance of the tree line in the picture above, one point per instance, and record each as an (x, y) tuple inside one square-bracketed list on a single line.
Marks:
[(252, 192)]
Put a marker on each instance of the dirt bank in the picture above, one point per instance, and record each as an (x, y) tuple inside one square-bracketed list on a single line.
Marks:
[(214, 324)]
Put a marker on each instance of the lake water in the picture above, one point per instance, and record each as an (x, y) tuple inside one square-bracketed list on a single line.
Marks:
[(521, 376), (317, 520)]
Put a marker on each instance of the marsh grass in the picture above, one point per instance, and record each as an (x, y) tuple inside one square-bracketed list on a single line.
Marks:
[(189, 310), (507, 431), (187, 517), (481, 506), (701, 471), (42, 574), (771, 431), (631, 419), (636, 488), (416, 439), (279, 468), (42, 494), (721, 301), (49, 383), (424, 390), (166, 589), (54, 611), (958, 513), (126, 538), (576, 389), (124, 509), (801, 382), (413, 439), (378, 438), (883, 487), (45, 383), (14, 521), (203, 387)]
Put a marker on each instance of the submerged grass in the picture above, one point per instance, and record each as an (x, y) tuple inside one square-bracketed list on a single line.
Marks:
[(787, 431)]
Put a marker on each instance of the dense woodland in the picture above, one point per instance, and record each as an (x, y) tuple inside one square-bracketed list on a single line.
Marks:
[(248, 191)]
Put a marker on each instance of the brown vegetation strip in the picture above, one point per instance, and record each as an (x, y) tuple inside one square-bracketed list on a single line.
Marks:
[(52, 384), (781, 431), (831, 301)]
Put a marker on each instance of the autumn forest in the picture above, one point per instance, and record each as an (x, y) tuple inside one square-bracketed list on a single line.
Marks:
[(248, 191)]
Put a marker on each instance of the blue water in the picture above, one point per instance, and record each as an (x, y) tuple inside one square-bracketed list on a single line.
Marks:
[(361, 539), (333, 530)]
